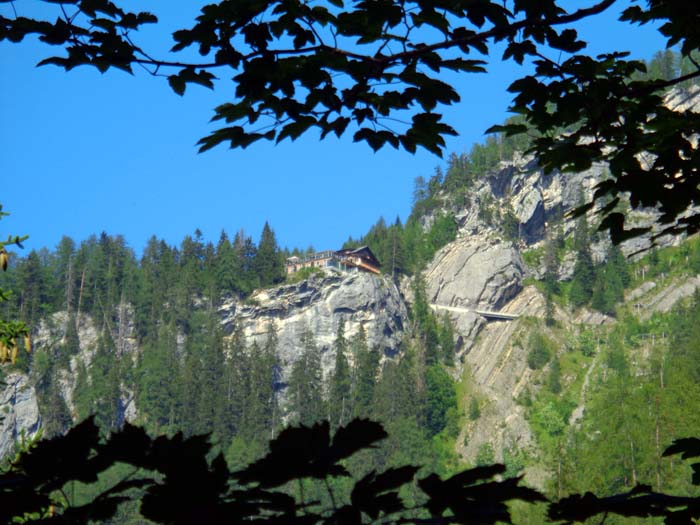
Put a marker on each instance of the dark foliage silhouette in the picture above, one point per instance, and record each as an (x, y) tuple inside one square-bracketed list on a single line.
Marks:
[(176, 481)]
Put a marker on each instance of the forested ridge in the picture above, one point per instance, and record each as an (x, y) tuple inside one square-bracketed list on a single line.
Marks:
[(189, 376), (211, 383)]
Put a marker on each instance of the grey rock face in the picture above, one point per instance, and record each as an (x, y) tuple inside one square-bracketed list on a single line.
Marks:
[(320, 304), (475, 272), (52, 332), (19, 411)]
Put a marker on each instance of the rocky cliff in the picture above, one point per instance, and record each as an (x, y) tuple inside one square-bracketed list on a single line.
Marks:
[(20, 411), (482, 269), (320, 304)]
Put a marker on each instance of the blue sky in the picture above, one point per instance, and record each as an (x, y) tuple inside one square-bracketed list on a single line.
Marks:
[(82, 152)]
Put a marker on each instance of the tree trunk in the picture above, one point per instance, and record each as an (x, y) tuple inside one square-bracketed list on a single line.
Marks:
[(80, 296)]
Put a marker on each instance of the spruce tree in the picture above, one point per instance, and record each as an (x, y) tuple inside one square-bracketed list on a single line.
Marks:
[(584, 276), (235, 384), (425, 322), (398, 258), (273, 368), (225, 266), (306, 382), (540, 351), (82, 400), (441, 399), (105, 384), (261, 403), (156, 384), (64, 271), (339, 399), (71, 345), (55, 416), (619, 265), (244, 256), (32, 283), (397, 395), (210, 283), (201, 393), (269, 263), (447, 340), (364, 374), (608, 289), (207, 347), (551, 285)]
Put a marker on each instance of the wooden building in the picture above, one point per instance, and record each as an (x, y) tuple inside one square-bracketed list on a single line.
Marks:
[(361, 258), (357, 259)]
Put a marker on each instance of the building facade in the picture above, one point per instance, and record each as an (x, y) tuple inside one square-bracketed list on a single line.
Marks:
[(355, 259)]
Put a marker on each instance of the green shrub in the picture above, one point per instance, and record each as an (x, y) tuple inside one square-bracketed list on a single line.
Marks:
[(474, 410), (540, 351)]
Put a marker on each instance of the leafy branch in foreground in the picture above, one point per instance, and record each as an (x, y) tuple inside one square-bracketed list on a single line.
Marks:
[(176, 481), (10, 331), (378, 67)]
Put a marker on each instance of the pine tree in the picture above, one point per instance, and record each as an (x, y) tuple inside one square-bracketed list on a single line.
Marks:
[(156, 385), (55, 416), (608, 289), (262, 413), (426, 324), (397, 394), (584, 276), (551, 284), (32, 283), (339, 399), (235, 384), (268, 263), (105, 384), (441, 399), (447, 340), (244, 255), (364, 374), (306, 382)]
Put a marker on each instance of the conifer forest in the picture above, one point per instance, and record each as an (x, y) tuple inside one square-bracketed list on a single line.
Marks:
[(526, 349)]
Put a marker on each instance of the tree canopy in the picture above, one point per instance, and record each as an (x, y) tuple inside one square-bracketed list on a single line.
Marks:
[(374, 69)]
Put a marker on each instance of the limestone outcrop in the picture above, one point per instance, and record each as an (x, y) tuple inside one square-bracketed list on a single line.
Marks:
[(320, 304), (20, 411), (475, 272)]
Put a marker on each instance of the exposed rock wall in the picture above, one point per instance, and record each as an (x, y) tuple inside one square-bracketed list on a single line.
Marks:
[(320, 304), (19, 411), (475, 272)]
